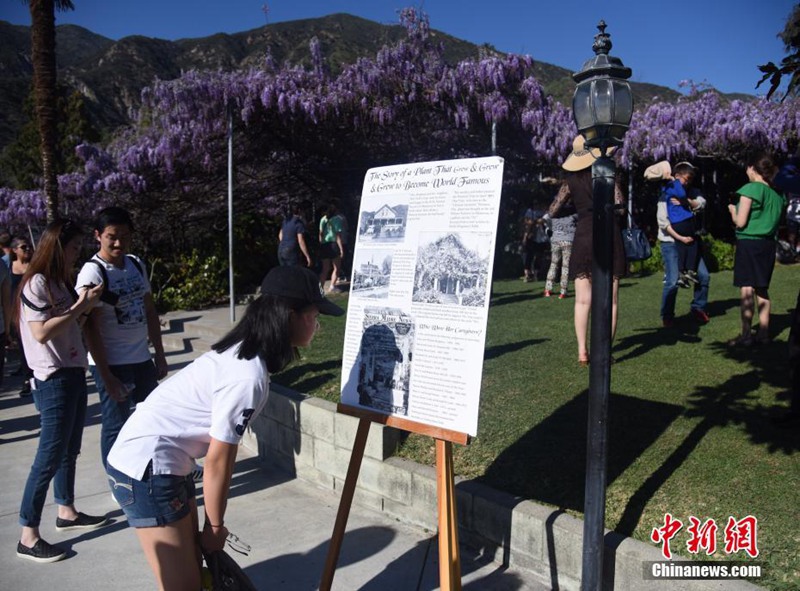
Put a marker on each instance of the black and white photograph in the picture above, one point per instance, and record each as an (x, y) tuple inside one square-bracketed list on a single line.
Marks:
[(384, 360), (387, 223), (452, 268), (372, 270)]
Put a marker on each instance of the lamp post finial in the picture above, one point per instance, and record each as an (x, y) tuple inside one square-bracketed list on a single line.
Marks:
[(602, 41)]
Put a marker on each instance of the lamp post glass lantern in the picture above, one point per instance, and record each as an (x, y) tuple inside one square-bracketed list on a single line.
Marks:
[(603, 103), (602, 107)]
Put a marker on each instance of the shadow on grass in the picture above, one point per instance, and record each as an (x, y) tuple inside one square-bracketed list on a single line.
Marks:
[(769, 365), (647, 339), (554, 451), (720, 307), (297, 377), (499, 350), (723, 405), (513, 298)]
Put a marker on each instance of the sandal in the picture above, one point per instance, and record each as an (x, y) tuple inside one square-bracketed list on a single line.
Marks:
[(741, 342)]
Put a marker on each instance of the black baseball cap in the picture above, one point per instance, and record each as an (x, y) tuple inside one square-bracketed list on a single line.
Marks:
[(299, 284)]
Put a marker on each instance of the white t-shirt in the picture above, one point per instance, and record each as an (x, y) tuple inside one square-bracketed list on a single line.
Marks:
[(215, 396), (124, 326), (63, 350)]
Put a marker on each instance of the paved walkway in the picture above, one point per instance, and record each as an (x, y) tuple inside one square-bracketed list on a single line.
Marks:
[(287, 522)]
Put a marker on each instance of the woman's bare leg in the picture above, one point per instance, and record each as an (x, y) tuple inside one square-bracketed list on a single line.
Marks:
[(747, 306), (337, 271), (583, 304), (171, 551), (323, 274), (764, 306)]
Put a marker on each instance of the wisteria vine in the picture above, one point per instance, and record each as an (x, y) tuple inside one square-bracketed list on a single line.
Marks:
[(406, 102)]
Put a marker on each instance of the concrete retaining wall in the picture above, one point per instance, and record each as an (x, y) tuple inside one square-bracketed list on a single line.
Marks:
[(308, 438)]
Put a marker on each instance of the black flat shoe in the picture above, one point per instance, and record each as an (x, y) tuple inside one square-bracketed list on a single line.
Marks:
[(42, 552), (82, 521)]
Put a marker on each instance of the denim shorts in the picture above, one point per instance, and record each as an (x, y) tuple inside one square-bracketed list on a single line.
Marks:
[(157, 499)]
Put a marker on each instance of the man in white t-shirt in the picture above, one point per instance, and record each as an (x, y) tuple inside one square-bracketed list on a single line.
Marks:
[(117, 331)]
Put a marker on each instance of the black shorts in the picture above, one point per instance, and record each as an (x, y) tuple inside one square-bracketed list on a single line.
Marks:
[(329, 250), (754, 262)]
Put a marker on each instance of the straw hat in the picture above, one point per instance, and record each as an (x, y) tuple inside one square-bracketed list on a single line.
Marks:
[(580, 157), (660, 171)]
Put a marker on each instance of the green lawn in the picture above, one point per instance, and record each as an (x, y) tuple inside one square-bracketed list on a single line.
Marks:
[(689, 428)]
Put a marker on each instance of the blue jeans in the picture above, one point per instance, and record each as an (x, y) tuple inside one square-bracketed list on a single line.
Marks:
[(114, 414), (61, 402), (669, 254), (156, 499)]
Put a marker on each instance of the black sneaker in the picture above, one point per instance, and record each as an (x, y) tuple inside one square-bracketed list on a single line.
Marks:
[(82, 521), (41, 552)]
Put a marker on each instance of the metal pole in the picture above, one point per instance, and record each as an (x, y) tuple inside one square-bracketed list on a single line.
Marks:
[(231, 294), (494, 139), (603, 171)]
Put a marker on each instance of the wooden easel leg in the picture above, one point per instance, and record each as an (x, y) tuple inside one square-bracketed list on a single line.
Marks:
[(345, 503), (449, 560)]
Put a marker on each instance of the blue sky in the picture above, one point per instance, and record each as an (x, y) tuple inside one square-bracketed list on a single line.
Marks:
[(720, 43)]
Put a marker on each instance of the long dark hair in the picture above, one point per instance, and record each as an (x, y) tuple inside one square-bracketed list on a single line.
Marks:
[(48, 258), (264, 332)]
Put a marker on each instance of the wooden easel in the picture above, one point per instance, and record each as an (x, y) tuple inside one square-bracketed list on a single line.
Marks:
[(449, 561)]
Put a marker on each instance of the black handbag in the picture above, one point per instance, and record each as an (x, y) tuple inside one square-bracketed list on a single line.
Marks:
[(226, 575), (637, 247)]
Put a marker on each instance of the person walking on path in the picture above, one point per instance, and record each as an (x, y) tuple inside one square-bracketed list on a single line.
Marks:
[(203, 411), (331, 247), (118, 329), (292, 240), (756, 215), (50, 317), (666, 238)]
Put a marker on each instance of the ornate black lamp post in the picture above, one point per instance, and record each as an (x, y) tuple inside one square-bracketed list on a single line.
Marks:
[(602, 107)]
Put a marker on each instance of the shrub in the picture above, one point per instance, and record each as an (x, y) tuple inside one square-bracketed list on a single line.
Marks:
[(194, 282), (718, 254)]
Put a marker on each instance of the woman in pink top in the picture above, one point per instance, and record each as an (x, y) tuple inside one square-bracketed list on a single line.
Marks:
[(50, 316)]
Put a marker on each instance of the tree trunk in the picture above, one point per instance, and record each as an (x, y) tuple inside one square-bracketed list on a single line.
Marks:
[(43, 52)]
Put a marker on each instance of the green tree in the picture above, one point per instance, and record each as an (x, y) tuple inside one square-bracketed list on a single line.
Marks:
[(790, 65), (20, 161), (43, 57)]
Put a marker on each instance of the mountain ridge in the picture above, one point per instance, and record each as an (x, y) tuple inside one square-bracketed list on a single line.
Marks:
[(111, 74)]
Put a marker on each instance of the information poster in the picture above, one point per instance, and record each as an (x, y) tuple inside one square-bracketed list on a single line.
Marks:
[(419, 292)]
